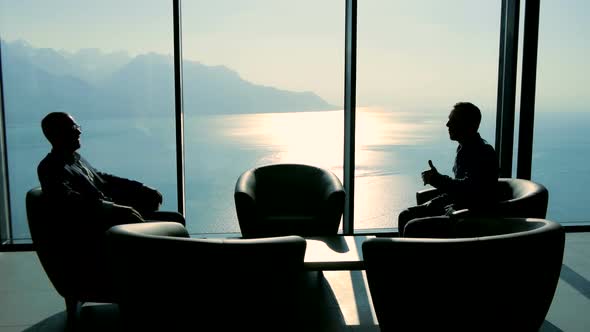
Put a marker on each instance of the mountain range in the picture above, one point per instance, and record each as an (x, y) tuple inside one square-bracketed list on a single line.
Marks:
[(90, 83)]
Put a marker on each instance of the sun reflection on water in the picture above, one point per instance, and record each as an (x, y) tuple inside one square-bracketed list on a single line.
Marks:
[(385, 180), (317, 138)]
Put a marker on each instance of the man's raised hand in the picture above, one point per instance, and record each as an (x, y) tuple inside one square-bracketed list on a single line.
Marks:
[(427, 175), (432, 166)]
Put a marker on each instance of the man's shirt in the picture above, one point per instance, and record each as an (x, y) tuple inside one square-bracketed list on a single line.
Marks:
[(475, 176), (72, 180)]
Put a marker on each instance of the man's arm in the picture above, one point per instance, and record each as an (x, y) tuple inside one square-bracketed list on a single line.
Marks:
[(112, 181), (480, 174), (57, 185), (130, 192), (127, 191)]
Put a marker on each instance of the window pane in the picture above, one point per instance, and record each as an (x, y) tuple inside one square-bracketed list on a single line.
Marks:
[(416, 59), (562, 120), (108, 63), (263, 84)]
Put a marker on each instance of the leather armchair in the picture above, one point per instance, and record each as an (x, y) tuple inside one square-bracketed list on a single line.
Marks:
[(72, 252), (165, 277), (72, 257), (288, 199), (490, 275), (516, 198)]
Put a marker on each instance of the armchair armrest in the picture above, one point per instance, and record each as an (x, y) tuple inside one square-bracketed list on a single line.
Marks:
[(246, 185), (463, 213), (332, 186), (245, 202), (159, 228), (425, 195)]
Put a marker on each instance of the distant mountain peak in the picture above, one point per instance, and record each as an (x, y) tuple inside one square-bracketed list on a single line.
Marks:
[(111, 84), (154, 58), (18, 43)]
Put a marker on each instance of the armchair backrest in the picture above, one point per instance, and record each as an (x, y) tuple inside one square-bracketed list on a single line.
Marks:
[(504, 276), (287, 188), (522, 198), (517, 198), (289, 191)]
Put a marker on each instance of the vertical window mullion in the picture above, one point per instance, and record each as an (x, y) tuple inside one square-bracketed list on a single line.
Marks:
[(507, 86), (500, 77), (528, 86), (349, 113), (5, 215), (178, 105)]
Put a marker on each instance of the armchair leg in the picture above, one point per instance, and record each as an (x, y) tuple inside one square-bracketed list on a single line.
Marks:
[(72, 313)]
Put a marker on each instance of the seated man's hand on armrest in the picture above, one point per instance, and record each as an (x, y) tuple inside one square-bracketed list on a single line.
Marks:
[(115, 214), (450, 209), (129, 213)]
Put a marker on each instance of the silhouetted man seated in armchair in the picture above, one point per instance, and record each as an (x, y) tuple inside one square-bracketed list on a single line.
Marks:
[(74, 187), (475, 171)]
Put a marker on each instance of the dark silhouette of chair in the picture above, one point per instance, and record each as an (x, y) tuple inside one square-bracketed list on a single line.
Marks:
[(493, 274), (165, 277), (516, 198), (288, 199), (72, 251), (72, 257)]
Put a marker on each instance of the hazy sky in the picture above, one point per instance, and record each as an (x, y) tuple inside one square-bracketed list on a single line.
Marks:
[(409, 52)]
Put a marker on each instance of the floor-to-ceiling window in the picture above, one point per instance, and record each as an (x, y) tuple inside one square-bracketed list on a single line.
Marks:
[(562, 119), (109, 64), (416, 59), (263, 83)]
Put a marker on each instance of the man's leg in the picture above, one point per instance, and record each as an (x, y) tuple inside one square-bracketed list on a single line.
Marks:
[(419, 211)]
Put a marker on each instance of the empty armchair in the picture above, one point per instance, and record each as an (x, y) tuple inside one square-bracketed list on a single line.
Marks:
[(288, 199), (165, 277), (492, 275), (516, 198)]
